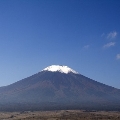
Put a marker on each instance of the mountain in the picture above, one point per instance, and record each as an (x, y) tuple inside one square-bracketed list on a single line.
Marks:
[(58, 87)]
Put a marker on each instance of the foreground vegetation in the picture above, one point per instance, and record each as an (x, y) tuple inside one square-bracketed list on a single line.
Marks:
[(61, 115)]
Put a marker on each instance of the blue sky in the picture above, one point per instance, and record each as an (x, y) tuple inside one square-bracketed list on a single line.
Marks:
[(82, 34)]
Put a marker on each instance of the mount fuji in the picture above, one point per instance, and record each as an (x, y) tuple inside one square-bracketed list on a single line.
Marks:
[(58, 87)]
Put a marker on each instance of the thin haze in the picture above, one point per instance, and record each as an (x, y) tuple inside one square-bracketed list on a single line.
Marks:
[(82, 34)]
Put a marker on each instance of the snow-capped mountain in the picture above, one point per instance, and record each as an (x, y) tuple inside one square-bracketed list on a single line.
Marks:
[(60, 68), (58, 87)]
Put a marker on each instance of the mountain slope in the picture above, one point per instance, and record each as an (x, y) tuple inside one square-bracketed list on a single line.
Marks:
[(59, 90)]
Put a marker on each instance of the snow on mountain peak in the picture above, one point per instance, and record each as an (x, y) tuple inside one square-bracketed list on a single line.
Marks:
[(60, 68)]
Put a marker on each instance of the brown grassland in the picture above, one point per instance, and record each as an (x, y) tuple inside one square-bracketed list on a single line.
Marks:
[(61, 115)]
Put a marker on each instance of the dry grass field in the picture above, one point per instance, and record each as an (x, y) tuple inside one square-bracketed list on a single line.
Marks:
[(60, 115)]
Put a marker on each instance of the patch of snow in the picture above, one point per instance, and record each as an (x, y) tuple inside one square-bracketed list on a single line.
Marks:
[(60, 68)]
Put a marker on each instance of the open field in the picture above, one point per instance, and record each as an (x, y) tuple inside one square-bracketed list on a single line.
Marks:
[(61, 115)]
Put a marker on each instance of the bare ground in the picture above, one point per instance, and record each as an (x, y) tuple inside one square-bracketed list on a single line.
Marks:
[(61, 115)]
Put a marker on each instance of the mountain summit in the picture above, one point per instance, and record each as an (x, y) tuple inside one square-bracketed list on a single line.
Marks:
[(60, 68), (58, 87)]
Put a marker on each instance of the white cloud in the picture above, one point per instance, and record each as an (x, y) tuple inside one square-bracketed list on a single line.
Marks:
[(112, 35), (86, 46), (109, 45), (118, 56)]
